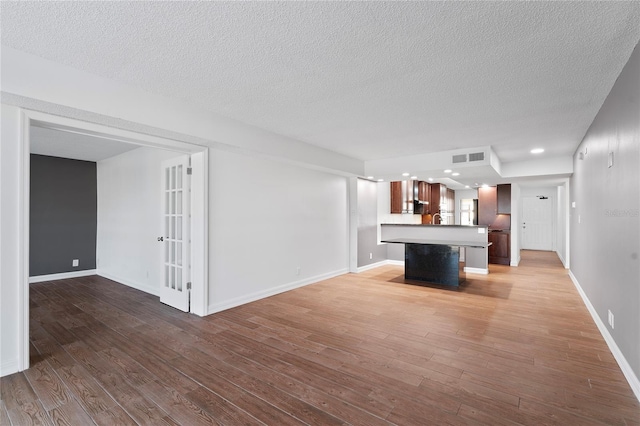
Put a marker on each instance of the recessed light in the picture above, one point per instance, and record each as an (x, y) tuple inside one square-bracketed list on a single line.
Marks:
[(466, 186), (484, 185), (430, 179), (369, 177), (414, 177), (455, 174), (448, 171), (405, 174), (380, 180), (537, 150)]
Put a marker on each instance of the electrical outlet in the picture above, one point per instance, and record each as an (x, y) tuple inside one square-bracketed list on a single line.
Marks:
[(75, 262), (370, 255), (298, 270), (611, 320)]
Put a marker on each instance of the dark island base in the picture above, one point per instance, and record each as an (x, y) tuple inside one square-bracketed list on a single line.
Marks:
[(433, 263)]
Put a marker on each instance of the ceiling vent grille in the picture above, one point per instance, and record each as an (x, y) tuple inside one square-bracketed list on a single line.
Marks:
[(476, 156), (460, 158)]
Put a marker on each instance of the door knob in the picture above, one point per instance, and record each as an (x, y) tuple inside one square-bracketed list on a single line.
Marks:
[(160, 238)]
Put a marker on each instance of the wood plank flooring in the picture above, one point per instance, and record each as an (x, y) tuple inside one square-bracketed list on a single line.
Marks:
[(515, 347)]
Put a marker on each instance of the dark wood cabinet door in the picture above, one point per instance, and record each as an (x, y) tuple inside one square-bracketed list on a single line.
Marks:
[(397, 198), (504, 199), (500, 250), (434, 201), (487, 205)]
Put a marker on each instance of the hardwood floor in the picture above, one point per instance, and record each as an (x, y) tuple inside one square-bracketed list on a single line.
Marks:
[(515, 347)]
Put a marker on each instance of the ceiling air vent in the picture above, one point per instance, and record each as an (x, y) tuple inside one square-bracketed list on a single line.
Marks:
[(460, 158), (476, 156)]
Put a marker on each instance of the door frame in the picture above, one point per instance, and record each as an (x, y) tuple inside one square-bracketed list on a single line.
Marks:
[(199, 208)]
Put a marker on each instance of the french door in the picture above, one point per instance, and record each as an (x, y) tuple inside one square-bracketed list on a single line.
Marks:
[(175, 236)]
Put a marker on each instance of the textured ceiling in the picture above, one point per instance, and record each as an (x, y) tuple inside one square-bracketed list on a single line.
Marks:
[(370, 80)]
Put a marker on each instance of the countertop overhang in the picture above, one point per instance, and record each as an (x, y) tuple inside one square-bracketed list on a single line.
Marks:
[(437, 242)]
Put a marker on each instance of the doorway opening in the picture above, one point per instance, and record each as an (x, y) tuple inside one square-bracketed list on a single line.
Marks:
[(198, 216)]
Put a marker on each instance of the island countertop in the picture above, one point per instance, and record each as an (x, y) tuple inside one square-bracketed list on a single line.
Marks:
[(436, 226), (437, 242)]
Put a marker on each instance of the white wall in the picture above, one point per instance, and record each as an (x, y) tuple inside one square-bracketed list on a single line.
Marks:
[(266, 220), (129, 218), (10, 264)]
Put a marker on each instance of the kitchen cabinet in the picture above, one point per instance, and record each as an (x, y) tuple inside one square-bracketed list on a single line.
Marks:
[(438, 194), (422, 197), (397, 197), (402, 196), (500, 249), (487, 205), (503, 194)]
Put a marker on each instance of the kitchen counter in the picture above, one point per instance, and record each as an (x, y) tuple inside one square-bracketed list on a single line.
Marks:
[(456, 243), (471, 242)]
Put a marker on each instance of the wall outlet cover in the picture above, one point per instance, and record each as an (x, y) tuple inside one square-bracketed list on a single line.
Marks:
[(75, 262)]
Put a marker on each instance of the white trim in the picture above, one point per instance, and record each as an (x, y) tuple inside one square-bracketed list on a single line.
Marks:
[(564, 262), (62, 276), (9, 367), (615, 350), (23, 236), (218, 307), (371, 266), (395, 262), (515, 262), (130, 283), (482, 271), (200, 232)]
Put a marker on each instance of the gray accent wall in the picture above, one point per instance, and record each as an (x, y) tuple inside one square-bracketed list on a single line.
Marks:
[(369, 251), (605, 222), (63, 215)]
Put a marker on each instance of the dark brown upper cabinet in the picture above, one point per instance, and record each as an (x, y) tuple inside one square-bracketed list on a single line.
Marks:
[(487, 205), (397, 198), (504, 199)]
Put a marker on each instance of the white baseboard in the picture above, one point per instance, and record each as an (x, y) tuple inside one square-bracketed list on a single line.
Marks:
[(62, 276), (131, 283), (379, 264), (515, 262), (564, 262), (470, 270), (615, 350), (9, 367), (222, 306)]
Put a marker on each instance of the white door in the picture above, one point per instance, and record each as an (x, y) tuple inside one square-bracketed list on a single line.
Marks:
[(175, 237), (537, 223)]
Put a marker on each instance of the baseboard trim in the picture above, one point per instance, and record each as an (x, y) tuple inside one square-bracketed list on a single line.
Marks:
[(129, 283), (62, 276), (482, 271), (372, 266), (633, 380), (223, 306), (9, 367), (564, 262), (515, 262), (395, 262)]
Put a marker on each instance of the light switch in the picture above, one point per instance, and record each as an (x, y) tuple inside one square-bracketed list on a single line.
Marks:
[(481, 230)]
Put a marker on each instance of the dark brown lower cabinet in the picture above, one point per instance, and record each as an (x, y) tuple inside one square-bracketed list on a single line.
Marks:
[(500, 250)]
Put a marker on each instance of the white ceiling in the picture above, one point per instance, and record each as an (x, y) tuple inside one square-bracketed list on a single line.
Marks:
[(77, 146), (371, 80)]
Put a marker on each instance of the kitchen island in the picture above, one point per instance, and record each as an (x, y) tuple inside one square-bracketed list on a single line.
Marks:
[(439, 254)]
